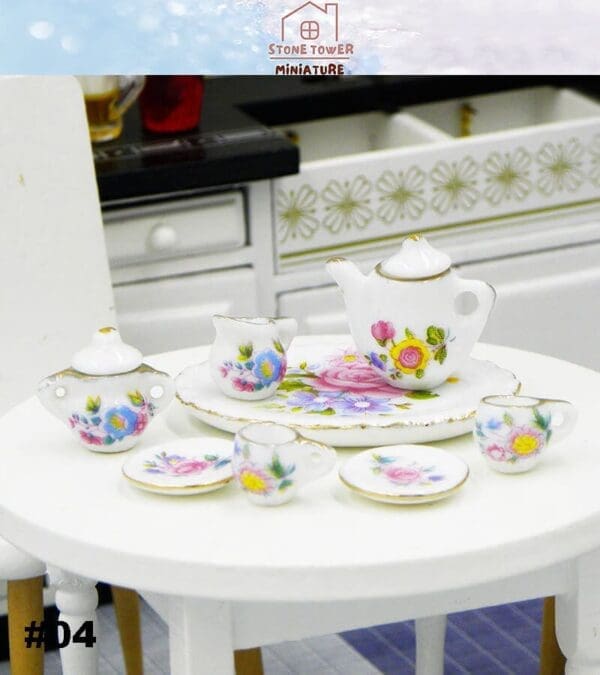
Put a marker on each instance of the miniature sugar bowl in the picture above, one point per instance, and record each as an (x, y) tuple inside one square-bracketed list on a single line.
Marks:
[(108, 396)]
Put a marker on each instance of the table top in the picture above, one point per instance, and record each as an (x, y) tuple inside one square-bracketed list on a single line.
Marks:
[(72, 508)]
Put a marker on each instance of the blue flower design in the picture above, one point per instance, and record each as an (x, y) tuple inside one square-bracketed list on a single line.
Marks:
[(376, 361), (359, 404), (493, 424), (310, 402), (120, 422), (267, 367)]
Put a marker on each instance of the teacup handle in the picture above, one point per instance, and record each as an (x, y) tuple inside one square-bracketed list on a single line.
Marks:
[(568, 412), (161, 389), (319, 461)]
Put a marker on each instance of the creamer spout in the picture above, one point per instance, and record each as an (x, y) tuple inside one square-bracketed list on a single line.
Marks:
[(346, 274)]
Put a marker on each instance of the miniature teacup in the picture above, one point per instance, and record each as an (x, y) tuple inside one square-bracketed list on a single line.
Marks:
[(248, 357), (271, 461), (513, 431)]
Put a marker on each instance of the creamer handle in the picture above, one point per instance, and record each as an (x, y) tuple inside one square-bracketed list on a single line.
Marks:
[(288, 327)]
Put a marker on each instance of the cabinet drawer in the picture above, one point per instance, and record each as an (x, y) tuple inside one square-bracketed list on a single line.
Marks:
[(176, 313), (317, 310), (172, 229)]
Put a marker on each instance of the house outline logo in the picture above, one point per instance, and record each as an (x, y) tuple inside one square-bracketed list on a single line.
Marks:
[(310, 28)]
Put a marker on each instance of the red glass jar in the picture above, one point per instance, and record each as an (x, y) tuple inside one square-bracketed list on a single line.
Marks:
[(171, 103)]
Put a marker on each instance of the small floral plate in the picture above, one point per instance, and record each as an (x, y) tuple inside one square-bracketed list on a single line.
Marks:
[(404, 474), (182, 467)]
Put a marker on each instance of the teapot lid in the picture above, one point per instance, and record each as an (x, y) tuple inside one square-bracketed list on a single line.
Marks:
[(107, 354), (416, 259)]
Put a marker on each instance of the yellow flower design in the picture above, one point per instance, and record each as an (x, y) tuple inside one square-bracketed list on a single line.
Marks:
[(526, 444), (254, 480), (410, 355)]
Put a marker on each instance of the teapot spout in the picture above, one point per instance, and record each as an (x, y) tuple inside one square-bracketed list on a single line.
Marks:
[(346, 274)]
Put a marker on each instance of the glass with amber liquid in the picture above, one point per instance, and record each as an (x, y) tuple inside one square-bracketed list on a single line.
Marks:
[(107, 99)]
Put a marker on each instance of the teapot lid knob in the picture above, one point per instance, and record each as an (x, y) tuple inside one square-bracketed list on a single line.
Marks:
[(416, 259), (107, 354)]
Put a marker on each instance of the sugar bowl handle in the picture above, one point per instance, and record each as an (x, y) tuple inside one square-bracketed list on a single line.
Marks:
[(160, 388), (52, 392)]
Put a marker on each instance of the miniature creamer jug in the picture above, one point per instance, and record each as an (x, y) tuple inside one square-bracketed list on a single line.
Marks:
[(108, 396), (405, 316), (248, 357)]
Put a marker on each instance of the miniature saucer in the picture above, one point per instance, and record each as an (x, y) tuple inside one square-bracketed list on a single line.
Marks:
[(404, 474), (185, 466)]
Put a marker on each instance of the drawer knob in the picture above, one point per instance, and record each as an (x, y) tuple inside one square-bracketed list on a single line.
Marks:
[(163, 238)]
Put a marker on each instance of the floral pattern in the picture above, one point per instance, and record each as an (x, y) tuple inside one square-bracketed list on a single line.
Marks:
[(408, 355), (454, 185), (347, 204), (400, 472), (560, 167), (507, 176), (401, 195), (595, 152), (504, 440), (262, 479), (179, 465), (343, 385), (296, 211), (105, 425), (252, 372)]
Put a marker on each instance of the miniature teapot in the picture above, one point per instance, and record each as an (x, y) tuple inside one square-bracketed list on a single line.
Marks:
[(108, 396), (248, 357), (405, 316)]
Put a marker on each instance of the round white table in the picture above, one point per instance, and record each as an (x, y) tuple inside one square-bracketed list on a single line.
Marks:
[(230, 575)]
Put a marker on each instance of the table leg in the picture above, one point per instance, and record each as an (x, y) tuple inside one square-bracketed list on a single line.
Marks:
[(200, 637), (430, 637), (578, 618), (127, 612), (25, 604), (76, 599)]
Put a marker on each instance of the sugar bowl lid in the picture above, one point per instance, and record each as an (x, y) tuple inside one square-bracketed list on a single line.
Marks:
[(416, 259), (106, 354)]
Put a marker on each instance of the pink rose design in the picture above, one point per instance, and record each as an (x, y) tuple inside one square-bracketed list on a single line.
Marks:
[(351, 373), (140, 424), (224, 371), (90, 438), (410, 357), (497, 453), (404, 475), (242, 385), (188, 466), (383, 330)]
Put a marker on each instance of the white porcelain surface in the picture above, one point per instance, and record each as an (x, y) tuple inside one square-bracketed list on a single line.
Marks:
[(405, 474), (272, 462), (412, 330), (513, 432), (179, 467), (248, 356), (337, 399), (106, 354)]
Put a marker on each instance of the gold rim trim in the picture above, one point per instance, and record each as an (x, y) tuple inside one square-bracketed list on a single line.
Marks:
[(439, 275), (404, 499), (173, 488), (328, 427), (77, 374)]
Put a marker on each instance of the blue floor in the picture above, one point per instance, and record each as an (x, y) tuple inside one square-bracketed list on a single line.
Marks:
[(491, 641)]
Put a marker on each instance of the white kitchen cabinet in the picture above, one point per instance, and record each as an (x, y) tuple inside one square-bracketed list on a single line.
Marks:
[(317, 310), (177, 312)]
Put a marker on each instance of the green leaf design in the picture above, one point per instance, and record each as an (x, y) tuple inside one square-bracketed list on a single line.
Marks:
[(136, 398), (285, 484), (409, 334), (108, 440), (211, 458), (92, 404), (278, 346), (419, 373), (327, 411), (277, 469), (296, 385), (540, 421), (383, 357), (435, 335), (245, 352), (508, 420), (441, 354), (303, 365), (421, 395)]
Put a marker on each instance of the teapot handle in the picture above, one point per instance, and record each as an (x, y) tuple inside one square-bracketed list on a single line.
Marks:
[(52, 393), (486, 297), (161, 389)]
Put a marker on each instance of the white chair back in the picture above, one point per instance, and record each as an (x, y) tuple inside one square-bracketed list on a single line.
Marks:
[(55, 285)]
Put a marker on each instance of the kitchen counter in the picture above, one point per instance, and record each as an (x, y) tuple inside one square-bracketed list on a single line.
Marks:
[(234, 145)]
